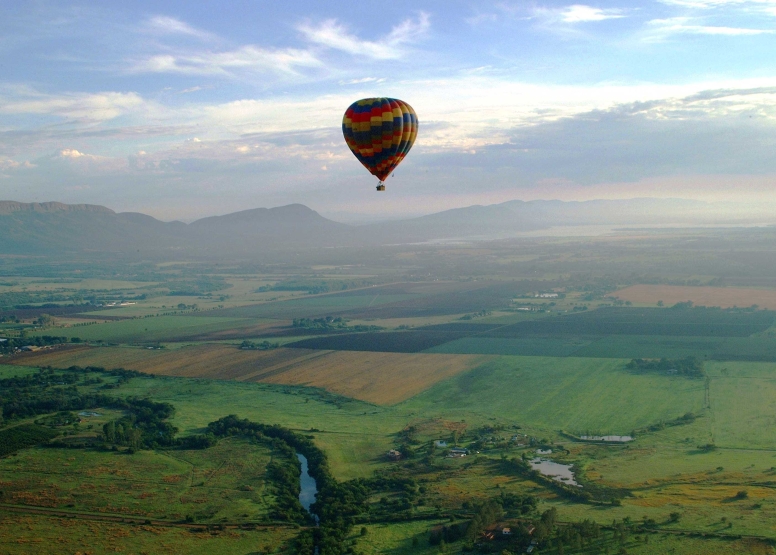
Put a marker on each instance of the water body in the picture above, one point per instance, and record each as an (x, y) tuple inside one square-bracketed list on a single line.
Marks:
[(308, 487), (612, 439), (557, 471)]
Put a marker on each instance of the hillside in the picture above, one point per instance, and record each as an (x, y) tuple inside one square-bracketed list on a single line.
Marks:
[(39, 228)]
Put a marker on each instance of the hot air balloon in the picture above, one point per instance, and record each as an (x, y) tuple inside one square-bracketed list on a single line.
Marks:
[(380, 132)]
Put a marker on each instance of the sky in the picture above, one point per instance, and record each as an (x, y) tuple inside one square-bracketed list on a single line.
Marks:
[(188, 109)]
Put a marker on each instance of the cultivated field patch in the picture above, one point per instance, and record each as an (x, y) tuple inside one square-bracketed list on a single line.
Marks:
[(573, 394), (724, 297), (381, 378)]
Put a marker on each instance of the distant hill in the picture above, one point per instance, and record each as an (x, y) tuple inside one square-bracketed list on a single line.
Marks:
[(39, 228), (615, 212)]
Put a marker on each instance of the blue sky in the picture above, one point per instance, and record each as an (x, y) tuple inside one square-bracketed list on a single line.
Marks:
[(185, 109)]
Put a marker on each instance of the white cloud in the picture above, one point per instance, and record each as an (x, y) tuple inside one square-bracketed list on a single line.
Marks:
[(80, 106), (334, 35), (708, 4), (10, 164), (191, 89), (170, 26), (245, 58), (758, 7), (662, 28), (579, 13), (362, 81), (70, 153)]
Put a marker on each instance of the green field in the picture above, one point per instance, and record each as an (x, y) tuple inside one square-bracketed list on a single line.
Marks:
[(149, 330), (23, 534), (575, 394), (317, 305), (223, 483)]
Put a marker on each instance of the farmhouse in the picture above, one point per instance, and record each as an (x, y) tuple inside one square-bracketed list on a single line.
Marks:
[(458, 452), (393, 455)]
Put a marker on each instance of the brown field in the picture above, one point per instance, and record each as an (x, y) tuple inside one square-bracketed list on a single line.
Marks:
[(724, 297), (381, 378)]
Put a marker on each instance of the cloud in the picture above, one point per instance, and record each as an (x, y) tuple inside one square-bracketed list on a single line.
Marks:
[(579, 13), (362, 81), (70, 153), (78, 106), (757, 7), (165, 25), (245, 58), (332, 34), (662, 28), (9, 164), (709, 4), (191, 90)]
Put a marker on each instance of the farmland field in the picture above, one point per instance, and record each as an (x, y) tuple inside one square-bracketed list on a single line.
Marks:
[(382, 378), (224, 482), (26, 534), (724, 297), (149, 330), (556, 393)]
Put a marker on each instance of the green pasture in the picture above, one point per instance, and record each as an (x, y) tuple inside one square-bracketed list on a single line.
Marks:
[(396, 538), (756, 347), (148, 330), (742, 396), (225, 482), (10, 371), (22, 534), (353, 433), (312, 306), (523, 346), (575, 394)]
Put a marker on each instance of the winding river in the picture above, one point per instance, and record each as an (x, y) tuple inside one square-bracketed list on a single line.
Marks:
[(308, 487)]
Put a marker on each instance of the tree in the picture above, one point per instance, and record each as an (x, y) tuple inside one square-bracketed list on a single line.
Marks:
[(109, 430)]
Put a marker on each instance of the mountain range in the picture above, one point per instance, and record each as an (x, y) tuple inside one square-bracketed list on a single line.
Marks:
[(39, 228)]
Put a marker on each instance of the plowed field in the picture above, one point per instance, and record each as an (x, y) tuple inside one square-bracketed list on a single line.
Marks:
[(381, 378), (724, 297)]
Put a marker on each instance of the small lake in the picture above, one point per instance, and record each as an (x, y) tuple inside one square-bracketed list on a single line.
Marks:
[(557, 471), (612, 439), (308, 487)]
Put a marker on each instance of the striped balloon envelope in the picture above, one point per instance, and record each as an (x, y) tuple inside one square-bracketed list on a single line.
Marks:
[(380, 132)]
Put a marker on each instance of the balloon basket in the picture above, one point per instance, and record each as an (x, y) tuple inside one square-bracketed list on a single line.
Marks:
[(381, 187)]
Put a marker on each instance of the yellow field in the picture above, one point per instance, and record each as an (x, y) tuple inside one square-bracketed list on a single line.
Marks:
[(381, 378), (724, 297)]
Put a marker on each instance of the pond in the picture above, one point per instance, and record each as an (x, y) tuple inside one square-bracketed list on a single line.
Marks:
[(611, 439), (308, 487), (557, 471)]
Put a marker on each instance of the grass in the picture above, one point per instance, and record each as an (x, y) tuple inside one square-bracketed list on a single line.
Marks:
[(11, 371), (32, 535), (147, 330), (739, 392), (313, 305), (563, 393), (524, 346), (222, 483)]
